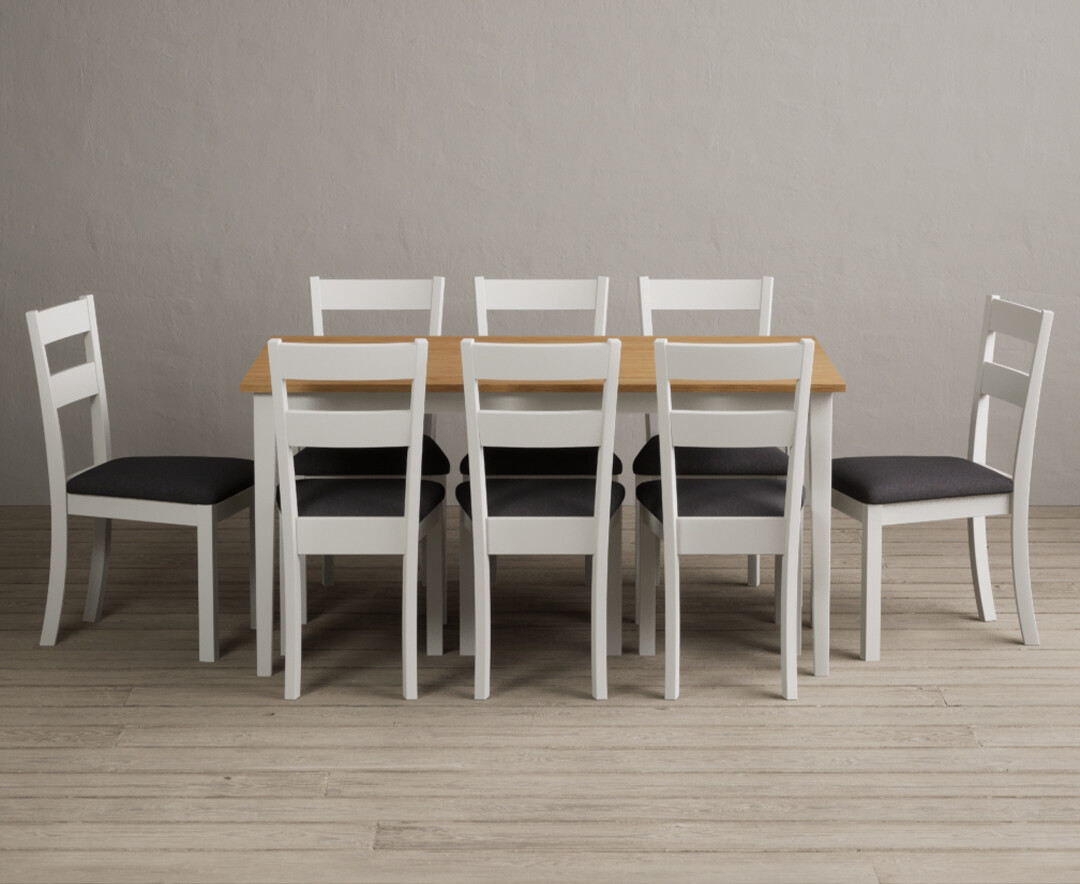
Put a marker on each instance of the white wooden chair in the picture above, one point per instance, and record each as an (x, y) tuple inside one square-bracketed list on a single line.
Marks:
[(696, 515), (898, 490), (385, 515), (540, 515), (385, 296), (699, 296), (195, 491)]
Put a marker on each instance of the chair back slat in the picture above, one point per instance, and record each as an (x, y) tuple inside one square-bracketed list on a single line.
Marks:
[(74, 384), (733, 362), (540, 429), (658, 295), (346, 362), (542, 294), (412, 295), (541, 362), (1002, 382), (64, 321), (1015, 320), (738, 429), (347, 429)]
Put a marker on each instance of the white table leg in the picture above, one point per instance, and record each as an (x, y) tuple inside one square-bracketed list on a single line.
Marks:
[(265, 483), (821, 408)]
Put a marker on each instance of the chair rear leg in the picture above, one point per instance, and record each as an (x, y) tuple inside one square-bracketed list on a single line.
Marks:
[(409, 577), (435, 566), (672, 621), (789, 627), (99, 570), (482, 614), (466, 591), (291, 627), (1025, 606), (614, 587), (870, 644), (980, 569), (648, 555), (303, 590), (54, 602), (206, 529)]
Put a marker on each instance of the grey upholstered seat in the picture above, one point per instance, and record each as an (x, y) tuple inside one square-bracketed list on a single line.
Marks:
[(370, 498), (713, 461), (369, 461), (901, 478), (541, 462), (718, 498), (191, 480), (540, 497)]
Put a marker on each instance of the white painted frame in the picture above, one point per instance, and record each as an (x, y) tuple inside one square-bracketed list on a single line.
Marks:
[(695, 422), (87, 381), (386, 295), (526, 420), (302, 420), (722, 295), (992, 381)]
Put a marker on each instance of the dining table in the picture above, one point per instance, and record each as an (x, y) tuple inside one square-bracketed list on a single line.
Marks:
[(637, 395)]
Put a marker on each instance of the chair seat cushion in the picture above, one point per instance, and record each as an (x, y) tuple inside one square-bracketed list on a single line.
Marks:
[(719, 498), (899, 479), (541, 462), (540, 497), (191, 480), (364, 498), (369, 461), (713, 461)]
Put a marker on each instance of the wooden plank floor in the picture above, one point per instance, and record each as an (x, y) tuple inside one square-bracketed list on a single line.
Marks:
[(956, 758)]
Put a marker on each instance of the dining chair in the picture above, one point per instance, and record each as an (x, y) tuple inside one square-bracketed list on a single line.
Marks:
[(380, 515), (540, 515), (367, 296), (193, 491), (695, 515), (712, 296), (897, 490)]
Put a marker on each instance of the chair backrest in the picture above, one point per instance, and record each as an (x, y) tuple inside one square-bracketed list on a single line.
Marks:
[(70, 385), (539, 419), (378, 294), (706, 294), (1022, 389), (695, 422), (542, 294), (319, 421)]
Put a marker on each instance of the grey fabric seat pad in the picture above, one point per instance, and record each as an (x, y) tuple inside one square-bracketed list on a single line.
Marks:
[(539, 497), (363, 498), (369, 461), (541, 462), (172, 479), (718, 498), (713, 461), (904, 478)]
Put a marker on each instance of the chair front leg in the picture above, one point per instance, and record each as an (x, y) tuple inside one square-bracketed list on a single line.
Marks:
[(54, 602), (99, 570), (482, 630), (614, 581), (599, 626), (753, 570), (648, 556), (466, 590), (409, 577), (1025, 605), (672, 621), (251, 565), (871, 584), (291, 627), (980, 569), (434, 547), (789, 625), (206, 529), (303, 590)]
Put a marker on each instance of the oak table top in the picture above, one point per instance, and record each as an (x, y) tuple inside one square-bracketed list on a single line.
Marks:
[(637, 368)]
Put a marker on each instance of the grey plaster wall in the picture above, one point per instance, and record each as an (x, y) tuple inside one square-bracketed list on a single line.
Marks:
[(191, 164)]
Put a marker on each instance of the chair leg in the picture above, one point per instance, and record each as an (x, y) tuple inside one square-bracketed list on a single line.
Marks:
[(789, 625), (778, 584), (466, 591), (614, 581), (980, 569), (251, 563), (1025, 606), (753, 570), (291, 627), (871, 585), (409, 576), (599, 626), (206, 529), (482, 631), (648, 554), (54, 602), (99, 570), (327, 571), (435, 566), (672, 623), (303, 591)]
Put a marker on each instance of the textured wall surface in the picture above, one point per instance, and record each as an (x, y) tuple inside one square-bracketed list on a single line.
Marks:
[(191, 164)]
